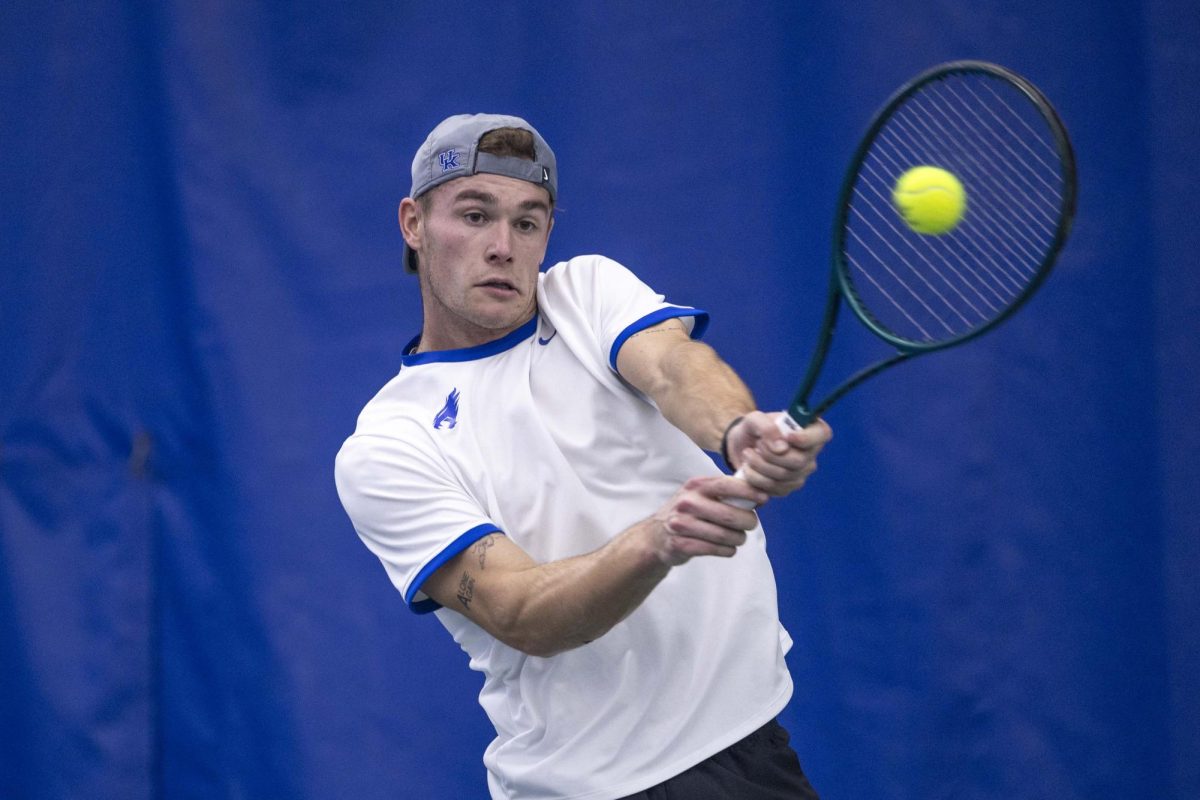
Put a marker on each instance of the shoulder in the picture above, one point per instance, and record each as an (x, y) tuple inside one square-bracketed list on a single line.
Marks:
[(390, 423), (584, 280), (583, 270)]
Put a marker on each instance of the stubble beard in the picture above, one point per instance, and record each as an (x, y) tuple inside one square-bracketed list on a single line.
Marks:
[(462, 314)]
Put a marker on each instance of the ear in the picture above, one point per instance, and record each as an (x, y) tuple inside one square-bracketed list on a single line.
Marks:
[(410, 219)]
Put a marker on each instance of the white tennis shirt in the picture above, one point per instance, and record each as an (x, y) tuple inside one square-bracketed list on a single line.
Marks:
[(535, 435)]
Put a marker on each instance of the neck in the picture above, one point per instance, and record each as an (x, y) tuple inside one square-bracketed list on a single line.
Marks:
[(464, 336)]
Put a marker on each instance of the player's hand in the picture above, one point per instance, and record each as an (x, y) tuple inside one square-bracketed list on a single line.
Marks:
[(696, 521), (771, 461)]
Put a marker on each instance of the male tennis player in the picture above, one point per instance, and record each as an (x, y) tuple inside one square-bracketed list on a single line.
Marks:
[(535, 476)]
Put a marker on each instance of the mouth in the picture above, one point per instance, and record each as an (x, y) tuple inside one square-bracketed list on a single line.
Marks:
[(498, 285)]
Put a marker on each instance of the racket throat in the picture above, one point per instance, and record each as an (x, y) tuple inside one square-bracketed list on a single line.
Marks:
[(798, 409)]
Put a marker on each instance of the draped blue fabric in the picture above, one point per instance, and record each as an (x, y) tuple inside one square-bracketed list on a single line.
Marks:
[(991, 580)]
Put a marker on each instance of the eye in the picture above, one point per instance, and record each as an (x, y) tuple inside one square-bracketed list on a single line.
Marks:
[(526, 226), (475, 217)]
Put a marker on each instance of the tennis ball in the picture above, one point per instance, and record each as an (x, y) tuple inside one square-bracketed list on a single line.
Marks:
[(930, 199)]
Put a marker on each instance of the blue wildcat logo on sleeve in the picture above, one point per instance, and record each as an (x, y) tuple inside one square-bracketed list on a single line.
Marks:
[(449, 413)]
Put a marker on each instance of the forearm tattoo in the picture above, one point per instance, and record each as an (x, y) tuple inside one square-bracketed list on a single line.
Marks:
[(466, 590), (480, 549), (653, 330)]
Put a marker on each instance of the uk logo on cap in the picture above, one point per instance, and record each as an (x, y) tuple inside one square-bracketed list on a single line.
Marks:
[(448, 159)]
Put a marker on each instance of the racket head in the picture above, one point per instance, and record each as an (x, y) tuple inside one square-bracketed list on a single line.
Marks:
[(999, 136)]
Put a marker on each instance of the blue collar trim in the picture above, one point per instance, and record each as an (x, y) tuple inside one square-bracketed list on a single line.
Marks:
[(507, 342)]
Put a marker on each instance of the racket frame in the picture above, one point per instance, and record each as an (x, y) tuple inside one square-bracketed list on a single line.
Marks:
[(842, 286)]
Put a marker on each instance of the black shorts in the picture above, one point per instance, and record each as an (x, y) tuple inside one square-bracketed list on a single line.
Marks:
[(763, 766)]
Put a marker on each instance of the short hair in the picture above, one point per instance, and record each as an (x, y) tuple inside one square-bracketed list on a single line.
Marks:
[(515, 142)]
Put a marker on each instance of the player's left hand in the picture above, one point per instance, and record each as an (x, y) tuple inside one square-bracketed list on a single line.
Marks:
[(775, 463)]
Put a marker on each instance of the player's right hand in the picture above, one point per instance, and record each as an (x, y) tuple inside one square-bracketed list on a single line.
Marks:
[(697, 521), (778, 463)]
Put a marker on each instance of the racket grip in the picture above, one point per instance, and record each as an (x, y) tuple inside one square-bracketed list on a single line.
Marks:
[(785, 423)]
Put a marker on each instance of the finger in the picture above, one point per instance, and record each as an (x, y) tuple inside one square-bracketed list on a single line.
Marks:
[(776, 484), (686, 526), (706, 498), (770, 437), (814, 435), (724, 487), (717, 511), (683, 548), (792, 459), (793, 462), (776, 444), (754, 477), (774, 471)]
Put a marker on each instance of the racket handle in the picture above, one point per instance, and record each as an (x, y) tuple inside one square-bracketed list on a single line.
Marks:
[(785, 423)]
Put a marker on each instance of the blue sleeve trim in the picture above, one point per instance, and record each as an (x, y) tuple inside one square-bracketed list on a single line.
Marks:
[(454, 548), (699, 326)]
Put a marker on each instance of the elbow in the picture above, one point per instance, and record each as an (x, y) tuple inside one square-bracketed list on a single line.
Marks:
[(540, 649), (534, 637), (540, 643)]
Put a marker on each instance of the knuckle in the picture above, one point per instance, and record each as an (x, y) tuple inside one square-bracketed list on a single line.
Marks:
[(749, 521), (676, 545)]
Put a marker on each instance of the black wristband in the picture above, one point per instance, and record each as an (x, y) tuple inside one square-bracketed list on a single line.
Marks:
[(725, 442)]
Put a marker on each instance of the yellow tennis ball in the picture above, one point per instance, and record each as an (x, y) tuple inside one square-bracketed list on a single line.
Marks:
[(930, 199)]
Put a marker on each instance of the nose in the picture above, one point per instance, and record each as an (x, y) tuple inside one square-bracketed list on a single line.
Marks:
[(499, 248)]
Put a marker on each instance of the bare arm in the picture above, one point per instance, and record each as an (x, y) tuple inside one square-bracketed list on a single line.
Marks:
[(694, 389), (543, 609), (702, 396)]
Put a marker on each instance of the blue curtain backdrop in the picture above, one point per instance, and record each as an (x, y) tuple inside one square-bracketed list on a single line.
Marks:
[(991, 581)]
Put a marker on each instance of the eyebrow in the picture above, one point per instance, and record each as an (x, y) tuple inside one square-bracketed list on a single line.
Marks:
[(490, 199), (475, 194)]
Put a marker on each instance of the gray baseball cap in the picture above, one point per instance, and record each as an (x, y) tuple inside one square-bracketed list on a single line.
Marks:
[(451, 151)]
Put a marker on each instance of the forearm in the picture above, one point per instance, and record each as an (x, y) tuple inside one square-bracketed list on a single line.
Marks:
[(553, 607), (700, 394), (543, 609), (694, 389)]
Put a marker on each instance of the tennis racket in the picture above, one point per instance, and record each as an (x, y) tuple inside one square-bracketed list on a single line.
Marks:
[(999, 136)]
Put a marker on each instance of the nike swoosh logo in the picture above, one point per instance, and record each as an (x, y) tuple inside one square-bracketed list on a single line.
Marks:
[(546, 341)]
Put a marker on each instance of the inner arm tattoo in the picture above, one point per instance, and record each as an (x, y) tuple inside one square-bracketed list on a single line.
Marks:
[(466, 586), (480, 548), (466, 590), (655, 329)]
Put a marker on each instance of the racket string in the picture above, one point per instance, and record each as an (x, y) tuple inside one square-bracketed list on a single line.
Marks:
[(933, 288), (983, 282), (997, 169), (903, 310), (996, 256), (950, 265), (983, 170), (1050, 166), (879, 287), (897, 236)]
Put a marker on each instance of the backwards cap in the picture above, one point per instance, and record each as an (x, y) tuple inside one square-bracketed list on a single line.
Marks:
[(452, 151)]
